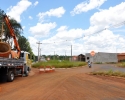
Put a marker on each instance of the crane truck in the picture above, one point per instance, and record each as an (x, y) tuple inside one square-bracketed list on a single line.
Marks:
[(12, 62)]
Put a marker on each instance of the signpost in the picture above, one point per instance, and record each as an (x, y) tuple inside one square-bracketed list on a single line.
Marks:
[(92, 53)]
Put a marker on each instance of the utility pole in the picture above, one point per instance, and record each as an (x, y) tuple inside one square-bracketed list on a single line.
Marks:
[(65, 55), (38, 49), (71, 52), (54, 55), (40, 53)]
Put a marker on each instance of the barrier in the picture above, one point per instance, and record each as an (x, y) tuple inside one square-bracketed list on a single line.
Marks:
[(41, 70), (46, 69)]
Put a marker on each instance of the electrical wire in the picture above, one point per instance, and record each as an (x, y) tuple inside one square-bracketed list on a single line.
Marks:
[(113, 26)]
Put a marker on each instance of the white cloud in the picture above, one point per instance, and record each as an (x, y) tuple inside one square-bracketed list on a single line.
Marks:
[(30, 17), (24, 27), (62, 28), (110, 16), (104, 41), (86, 6), (16, 11), (66, 34), (58, 12), (36, 3), (33, 43), (41, 30)]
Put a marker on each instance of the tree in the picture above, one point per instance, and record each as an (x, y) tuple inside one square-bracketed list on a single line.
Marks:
[(15, 25), (25, 46), (23, 42)]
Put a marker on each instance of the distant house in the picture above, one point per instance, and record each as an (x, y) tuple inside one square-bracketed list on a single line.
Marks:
[(121, 57), (81, 57), (74, 58)]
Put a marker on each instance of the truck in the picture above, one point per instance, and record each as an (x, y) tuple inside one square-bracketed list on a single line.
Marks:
[(12, 62)]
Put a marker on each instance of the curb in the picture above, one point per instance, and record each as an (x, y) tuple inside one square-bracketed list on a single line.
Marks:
[(108, 76), (46, 70), (72, 67)]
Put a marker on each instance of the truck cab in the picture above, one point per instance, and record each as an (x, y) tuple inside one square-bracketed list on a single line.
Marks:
[(26, 56)]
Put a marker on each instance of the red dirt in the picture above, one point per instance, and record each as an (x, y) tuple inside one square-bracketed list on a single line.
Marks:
[(63, 84)]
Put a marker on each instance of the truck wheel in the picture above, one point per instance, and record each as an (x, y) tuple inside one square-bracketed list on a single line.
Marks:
[(26, 73), (10, 76)]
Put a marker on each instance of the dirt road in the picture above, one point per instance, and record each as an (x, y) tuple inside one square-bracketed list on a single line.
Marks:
[(63, 84)]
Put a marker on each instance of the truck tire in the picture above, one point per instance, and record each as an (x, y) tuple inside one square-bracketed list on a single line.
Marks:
[(10, 76), (26, 71)]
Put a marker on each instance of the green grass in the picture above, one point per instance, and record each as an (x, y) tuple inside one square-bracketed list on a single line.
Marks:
[(121, 64), (98, 62), (109, 73), (58, 64)]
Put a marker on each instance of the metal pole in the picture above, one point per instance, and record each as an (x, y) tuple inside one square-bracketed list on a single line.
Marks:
[(80, 57), (38, 49), (65, 55), (54, 55), (71, 52), (39, 52)]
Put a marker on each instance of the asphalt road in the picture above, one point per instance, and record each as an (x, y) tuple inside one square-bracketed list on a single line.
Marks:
[(106, 67)]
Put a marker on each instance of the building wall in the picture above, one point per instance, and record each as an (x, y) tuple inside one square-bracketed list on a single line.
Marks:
[(103, 57), (121, 57)]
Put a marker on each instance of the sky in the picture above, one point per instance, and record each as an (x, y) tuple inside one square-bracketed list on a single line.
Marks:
[(59, 25)]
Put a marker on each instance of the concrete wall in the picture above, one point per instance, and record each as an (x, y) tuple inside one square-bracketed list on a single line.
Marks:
[(103, 57)]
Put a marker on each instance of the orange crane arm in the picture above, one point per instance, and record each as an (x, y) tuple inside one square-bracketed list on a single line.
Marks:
[(12, 34)]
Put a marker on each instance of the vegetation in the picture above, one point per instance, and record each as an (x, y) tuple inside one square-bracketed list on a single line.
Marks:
[(23, 42), (25, 46), (15, 25), (98, 62), (121, 64), (109, 73), (59, 64), (57, 57)]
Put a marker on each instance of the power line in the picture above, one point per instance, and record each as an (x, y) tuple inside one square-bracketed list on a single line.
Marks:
[(113, 26)]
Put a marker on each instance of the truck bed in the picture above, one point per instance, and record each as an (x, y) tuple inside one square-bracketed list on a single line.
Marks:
[(5, 62)]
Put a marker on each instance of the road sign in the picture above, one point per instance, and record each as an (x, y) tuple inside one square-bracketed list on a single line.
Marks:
[(48, 58), (92, 53)]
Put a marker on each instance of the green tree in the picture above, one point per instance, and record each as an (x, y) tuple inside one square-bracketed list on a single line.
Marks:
[(25, 46), (23, 42), (15, 25)]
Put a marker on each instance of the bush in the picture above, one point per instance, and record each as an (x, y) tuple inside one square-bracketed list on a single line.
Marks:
[(59, 64), (98, 62), (122, 64), (109, 73)]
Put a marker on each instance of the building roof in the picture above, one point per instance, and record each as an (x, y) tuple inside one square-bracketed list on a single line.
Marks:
[(121, 54)]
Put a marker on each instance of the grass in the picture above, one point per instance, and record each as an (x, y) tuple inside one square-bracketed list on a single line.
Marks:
[(98, 63), (109, 73), (58, 64), (121, 64)]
